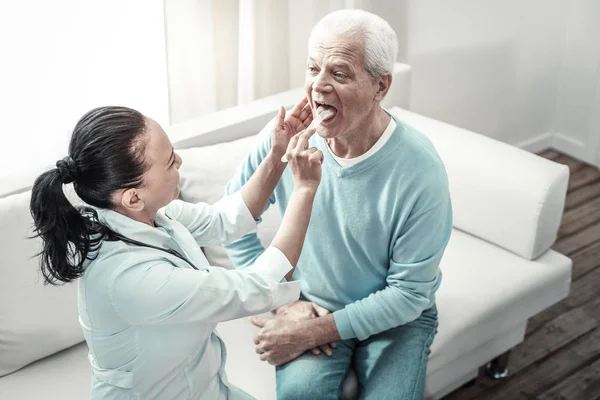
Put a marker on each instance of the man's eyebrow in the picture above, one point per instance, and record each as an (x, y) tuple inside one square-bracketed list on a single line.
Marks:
[(342, 65)]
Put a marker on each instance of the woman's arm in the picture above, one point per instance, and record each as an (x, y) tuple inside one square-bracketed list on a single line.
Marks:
[(258, 189), (158, 292), (235, 215), (305, 164)]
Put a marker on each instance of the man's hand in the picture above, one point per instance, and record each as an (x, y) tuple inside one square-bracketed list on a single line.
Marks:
[(277, 342), (302, 310), (288, 125)]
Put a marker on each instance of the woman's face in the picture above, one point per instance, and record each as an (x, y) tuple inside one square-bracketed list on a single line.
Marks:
[(161, 180)]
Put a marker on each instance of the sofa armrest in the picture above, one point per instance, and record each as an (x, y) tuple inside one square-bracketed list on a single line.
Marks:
[(500, 193)]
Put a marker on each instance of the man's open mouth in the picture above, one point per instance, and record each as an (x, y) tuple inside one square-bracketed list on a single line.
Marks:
[(325, 111)]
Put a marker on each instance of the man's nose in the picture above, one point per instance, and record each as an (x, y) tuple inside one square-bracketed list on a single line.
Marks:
[(321, 83)]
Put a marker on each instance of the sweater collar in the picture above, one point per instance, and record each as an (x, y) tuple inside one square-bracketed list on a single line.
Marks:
[(380, 155)]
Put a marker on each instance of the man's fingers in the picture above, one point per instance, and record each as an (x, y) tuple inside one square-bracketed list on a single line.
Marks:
[(315, 351), (320, 311), (333, 345), (326, 349), (257, 321)]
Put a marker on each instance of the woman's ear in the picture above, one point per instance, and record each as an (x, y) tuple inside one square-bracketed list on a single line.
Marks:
[(131, 200)]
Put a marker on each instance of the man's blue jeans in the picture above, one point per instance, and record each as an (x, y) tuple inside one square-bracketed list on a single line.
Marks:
[(389, 365)]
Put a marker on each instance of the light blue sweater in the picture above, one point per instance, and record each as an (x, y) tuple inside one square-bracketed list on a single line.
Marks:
[(376, 236)]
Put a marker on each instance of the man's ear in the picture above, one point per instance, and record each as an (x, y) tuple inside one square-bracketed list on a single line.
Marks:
[(131, 200), (384, 84)]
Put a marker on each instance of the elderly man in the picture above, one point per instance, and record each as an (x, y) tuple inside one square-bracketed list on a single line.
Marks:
[(381, 220)]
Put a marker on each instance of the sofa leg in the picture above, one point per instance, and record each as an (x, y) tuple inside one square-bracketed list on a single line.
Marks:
[(469, 384), (498, 367)]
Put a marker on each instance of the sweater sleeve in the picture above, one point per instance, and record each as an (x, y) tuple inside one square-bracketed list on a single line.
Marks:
[(412, 278)]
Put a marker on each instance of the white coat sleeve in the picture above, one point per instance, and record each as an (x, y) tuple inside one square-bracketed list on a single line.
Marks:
[(157, 292), (223, 222)]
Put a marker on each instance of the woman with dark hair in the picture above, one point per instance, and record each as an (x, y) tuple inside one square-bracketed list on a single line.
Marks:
[(148, 300)]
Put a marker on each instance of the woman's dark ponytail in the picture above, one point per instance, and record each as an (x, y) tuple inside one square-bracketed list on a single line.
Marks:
[(61, 226), (106, 153)]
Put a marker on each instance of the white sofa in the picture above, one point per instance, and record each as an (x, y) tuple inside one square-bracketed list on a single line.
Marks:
[(498, 267)]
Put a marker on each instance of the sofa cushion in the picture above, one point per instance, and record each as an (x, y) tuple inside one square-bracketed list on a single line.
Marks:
[(496, 187), (35, 320), (65, 375), (204, 175), (486, 289)]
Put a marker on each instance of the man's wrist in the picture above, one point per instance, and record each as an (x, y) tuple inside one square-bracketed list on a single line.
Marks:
[(316, 331)]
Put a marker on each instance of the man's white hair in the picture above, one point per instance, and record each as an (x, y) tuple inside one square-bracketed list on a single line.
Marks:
[(381, 42)]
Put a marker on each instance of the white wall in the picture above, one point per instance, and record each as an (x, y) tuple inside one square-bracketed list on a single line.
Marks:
[(488, 66), (525, 72), (577, 114), (61, 58)]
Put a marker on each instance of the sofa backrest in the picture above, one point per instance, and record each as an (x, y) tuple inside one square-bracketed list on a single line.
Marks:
[(248, 119), (35, 320), (500, 193)]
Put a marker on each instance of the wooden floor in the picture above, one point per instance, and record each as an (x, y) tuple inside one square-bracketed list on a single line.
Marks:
[(560, 357)]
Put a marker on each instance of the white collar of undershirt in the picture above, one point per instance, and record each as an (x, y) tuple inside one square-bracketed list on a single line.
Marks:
[(385, 136)]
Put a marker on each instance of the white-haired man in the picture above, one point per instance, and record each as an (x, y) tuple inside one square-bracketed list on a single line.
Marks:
[(381, 221)]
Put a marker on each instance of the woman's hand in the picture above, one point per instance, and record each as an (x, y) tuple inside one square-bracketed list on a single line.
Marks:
[(305, 162), (287, 126)]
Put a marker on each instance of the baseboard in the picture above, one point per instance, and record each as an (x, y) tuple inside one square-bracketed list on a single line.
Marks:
[(561, 143), (572, 147), (538, 143)]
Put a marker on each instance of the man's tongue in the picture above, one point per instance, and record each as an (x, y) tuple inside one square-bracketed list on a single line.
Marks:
[(326, 112)]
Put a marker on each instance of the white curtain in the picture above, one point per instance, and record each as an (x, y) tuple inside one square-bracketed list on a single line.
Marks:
[(60, 59), (221, 53)]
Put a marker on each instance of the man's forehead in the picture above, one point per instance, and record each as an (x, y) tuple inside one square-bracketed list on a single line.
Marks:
[(335, 56)]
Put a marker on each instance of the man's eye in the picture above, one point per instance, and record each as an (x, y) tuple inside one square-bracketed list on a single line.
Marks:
[(311, 69), (339, 75)]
